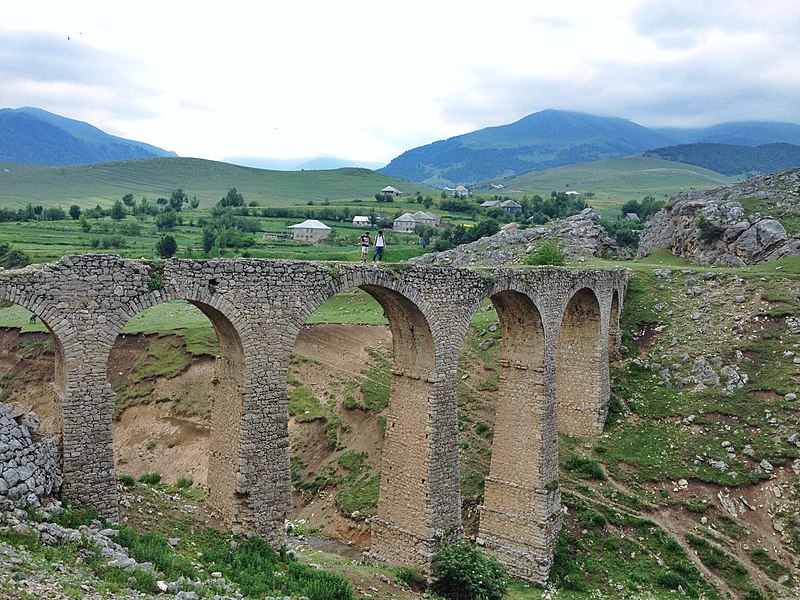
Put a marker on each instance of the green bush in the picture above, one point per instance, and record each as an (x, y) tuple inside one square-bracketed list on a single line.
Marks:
[(462, 572), (585, 467), (547, 252), (151, 478)]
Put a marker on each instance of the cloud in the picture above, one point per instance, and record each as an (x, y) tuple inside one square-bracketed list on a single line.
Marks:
[(69, 77)]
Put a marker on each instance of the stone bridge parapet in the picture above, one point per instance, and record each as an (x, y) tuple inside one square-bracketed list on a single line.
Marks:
[(558, 328)]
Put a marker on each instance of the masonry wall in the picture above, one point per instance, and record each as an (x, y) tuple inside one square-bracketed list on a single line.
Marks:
[(257, 308)]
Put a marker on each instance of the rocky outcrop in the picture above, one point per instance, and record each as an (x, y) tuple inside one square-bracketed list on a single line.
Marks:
[(29, 463), (736, 225), (581, 235)]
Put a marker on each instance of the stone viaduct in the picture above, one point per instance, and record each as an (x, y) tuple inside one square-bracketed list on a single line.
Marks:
[(558, 327)]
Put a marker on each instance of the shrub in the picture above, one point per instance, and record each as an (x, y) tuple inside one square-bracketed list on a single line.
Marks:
[(151, 478), (462, 572), (709, 232), (585, 467), (547, 252), (126, 480)]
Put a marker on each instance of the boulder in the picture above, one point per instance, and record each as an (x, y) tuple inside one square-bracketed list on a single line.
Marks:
[(732, 234)]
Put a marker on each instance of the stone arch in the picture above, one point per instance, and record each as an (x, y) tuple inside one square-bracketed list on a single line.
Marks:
[(520, 515), (226, 438), (579, 366), (415, 499), (45, 314)]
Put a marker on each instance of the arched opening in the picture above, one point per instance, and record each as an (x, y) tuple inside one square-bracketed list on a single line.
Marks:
[(614, 332), (32, 370), (177, 370), (519, 519), (579, 367), (361, 391), (338, 384)]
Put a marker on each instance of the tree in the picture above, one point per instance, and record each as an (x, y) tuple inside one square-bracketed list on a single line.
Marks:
[(166, 246), (209, 237), (128, 200), (118, 211), (177, 199), (232, 198), (75, 212), (167, 220), (11, 257)]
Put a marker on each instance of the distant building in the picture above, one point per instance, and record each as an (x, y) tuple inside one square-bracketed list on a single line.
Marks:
[(310, 230), (405, 223), (497, 186), (426, 218), (572, 193), (511, 206), (362, 221), (458, 192), (631, 216), (390, 190), (490, 203)]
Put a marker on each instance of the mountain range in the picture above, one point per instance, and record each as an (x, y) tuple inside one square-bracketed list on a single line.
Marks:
[(554, 138), (543, 140), (35, 136)]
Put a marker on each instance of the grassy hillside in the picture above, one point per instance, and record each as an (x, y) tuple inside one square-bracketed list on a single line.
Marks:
[(615, 181), (87, 185)]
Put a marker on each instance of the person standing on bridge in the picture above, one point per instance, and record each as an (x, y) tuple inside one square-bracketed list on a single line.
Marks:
[(365, 242), (380, 244)]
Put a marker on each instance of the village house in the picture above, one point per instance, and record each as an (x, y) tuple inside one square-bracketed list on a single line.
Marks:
[(390, 190), (509, 206), (458, 192), (407, 222), (361, 221), (426, 218), (310, 230)]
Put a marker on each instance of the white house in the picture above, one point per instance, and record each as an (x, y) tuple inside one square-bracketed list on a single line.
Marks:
[(310, 230), (361, 221), (458, 192)]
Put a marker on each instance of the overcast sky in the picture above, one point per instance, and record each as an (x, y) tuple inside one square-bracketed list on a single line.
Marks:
[(367, 80)]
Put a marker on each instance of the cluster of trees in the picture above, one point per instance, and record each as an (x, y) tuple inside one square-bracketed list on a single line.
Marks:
[(732, 159), (455, 236), (35, 213), (228, 226), (626, 231)]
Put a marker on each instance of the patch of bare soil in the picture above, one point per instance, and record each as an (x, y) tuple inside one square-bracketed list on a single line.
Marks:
[(340, 346), (27, 373), (151, 438)]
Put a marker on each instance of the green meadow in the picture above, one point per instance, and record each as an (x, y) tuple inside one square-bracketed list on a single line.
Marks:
[(88, 185), (616, 181)]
